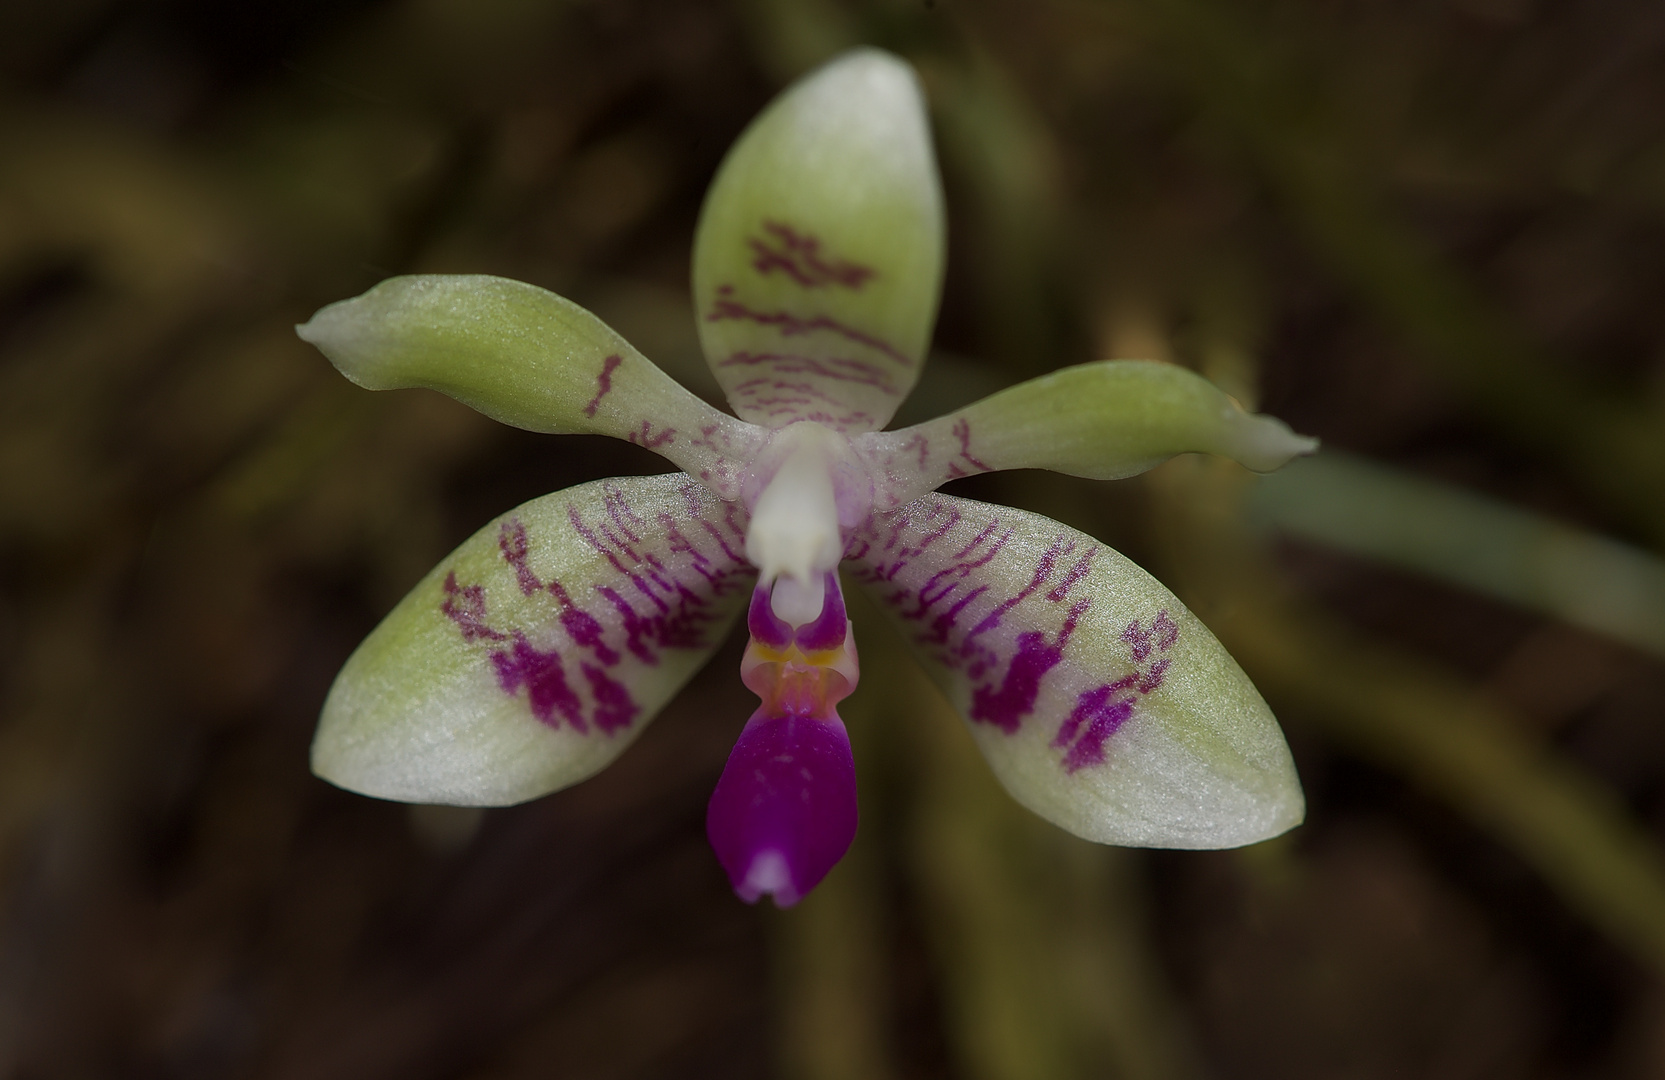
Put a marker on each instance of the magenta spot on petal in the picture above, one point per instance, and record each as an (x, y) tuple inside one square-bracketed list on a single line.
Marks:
[(1165, 629), (614, 707), (1102, 715), (1152, 679), (784, 811), (1138, 639), (541, 673), (1087, 705), (603, 383), (465, 605), (1006, 707), (766, 627), (829, 628), (582, 627), (512, 542), (798, 256)]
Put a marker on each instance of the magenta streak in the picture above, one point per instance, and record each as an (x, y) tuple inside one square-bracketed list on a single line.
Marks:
[(1105, 721), (962, 429), (614, 708), (900, 521), (801, 260), (582, 627), (1138, 639), (646, 437), (717, 535), (836, 368), (619, 511), (1005, 708), (1090, 702), (958, 572), (603, 382), (594, 541), (937, 534), (1071, 579), (546, 683), (809, 390), (1043, 570), (791, 325), (977, 540), (1107, 715), (466, 606), (944, 623), (1166, 630), (636, 628), (511, 540), (678, 543), (921, 444), (1153, 678)]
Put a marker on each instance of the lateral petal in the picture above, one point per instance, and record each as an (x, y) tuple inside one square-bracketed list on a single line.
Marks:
[(1102, 704), (538, 650), (1103, 421), (819, 253), (529, 358)]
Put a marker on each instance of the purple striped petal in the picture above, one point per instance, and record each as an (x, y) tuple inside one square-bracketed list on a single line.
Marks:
[(1102, 703), (784, 811)]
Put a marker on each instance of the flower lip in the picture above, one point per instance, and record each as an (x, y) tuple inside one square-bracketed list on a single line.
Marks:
[(784, 811)]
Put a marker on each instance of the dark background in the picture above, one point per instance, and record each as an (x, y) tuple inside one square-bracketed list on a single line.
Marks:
[(1427, 231)]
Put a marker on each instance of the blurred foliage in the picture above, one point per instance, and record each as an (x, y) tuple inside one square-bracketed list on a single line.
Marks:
[(1428, 232)]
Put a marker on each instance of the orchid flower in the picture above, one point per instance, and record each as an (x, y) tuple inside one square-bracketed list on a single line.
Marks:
[(535, 653)]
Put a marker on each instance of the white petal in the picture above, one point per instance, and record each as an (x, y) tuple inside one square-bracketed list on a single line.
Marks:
[(537, 651), (1101, 702)]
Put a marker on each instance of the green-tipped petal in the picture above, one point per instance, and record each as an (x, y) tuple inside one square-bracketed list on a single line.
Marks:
[(1101, 702), (527, 357), (538, 650), (818, 258), (1104, 421)]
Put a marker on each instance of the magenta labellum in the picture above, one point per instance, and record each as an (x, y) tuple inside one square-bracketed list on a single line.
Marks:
[(784, 811)]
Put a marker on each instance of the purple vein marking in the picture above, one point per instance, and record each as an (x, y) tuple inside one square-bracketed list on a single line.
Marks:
[(962, 431), (799, 257), (1071, 579), (837, 368), (545, 680), (582, 627), (614, 707), (791, 325), (466, 606), (1099, 713), (511, 541), (1006, 707), (603, 382)]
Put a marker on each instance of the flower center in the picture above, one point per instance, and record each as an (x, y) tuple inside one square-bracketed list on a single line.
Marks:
[(805, 491)]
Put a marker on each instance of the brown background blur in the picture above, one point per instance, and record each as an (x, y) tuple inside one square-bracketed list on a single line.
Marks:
[(1427, 231)]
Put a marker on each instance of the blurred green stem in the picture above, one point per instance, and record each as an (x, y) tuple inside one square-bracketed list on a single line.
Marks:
[(1409, 716), (1472, 541)]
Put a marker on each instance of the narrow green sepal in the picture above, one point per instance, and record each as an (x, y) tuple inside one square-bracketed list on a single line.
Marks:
[(1104, 421), (526, 357)]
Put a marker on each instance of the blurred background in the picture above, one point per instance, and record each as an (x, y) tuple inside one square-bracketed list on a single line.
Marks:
[(1427, 231)]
